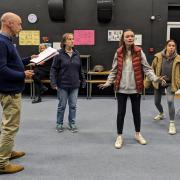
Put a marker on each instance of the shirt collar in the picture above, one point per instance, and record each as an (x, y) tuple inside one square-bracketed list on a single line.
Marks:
[(73, 52), (6, 35)]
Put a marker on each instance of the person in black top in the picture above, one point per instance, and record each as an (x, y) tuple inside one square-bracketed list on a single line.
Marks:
[(41, 72)]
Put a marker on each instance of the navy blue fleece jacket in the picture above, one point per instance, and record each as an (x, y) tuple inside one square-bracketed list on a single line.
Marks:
[(11, 67), (66, 71)]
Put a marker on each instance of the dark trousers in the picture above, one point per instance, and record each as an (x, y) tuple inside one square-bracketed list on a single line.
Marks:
[(39, 74), (135, 103)]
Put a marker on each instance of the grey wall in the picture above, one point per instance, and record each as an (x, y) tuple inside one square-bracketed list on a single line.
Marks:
[(81, 14)]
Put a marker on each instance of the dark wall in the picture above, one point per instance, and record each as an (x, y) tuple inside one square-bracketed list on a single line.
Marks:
[(174, 13), (82, 14), (177, 2)]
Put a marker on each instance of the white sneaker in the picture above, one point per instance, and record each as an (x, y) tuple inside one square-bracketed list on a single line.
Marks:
[(119, 142), (140, 139), (158, 117), (172, 128)]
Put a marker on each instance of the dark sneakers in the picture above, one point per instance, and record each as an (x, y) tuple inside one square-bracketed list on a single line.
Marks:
[(43, 89), (73, 128), (36, 100), (59, 128)]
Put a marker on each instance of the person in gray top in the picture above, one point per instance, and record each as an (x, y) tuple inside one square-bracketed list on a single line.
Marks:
[(127, 75), (167, 63)]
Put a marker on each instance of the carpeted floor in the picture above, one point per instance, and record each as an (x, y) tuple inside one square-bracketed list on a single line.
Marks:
[(90, 153)]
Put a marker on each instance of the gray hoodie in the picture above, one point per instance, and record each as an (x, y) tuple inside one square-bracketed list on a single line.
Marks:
[(127, 83), (167, 64)]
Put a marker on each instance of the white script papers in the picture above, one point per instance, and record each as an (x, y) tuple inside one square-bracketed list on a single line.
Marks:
[(45, 55)]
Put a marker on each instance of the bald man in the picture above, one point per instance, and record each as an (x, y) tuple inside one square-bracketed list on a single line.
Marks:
[(12, 75)]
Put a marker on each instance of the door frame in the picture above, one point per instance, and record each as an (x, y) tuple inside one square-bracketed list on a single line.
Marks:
[(171, 25)]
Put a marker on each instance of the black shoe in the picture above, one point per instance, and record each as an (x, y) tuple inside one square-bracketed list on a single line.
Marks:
[(43, 89), (36, 100)]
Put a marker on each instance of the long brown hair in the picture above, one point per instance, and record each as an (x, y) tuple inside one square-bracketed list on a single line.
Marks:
[(170, 40), (123, 45), (64, 38)]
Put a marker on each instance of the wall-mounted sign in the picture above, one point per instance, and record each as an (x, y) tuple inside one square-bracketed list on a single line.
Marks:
[(138, 39), (114, 35), (28, 37), (57, 45), (84, 37)]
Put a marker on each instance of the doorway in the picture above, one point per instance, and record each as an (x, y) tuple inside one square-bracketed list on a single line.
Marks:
[(173, 32)]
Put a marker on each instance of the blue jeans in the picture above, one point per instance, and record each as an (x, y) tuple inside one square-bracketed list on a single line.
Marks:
[(64, 95)]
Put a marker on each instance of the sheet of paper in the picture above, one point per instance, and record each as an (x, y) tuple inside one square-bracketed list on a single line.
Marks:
[(45, 55), (57, 45)]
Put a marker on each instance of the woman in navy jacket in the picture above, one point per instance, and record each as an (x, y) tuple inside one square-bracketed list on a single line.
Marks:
[(66, 74)]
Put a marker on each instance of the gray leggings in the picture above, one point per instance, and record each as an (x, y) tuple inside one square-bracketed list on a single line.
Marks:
[(170, 100)]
